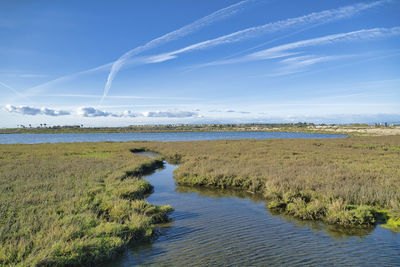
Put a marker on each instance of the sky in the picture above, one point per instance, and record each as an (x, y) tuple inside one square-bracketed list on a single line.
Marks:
[(118, 63)]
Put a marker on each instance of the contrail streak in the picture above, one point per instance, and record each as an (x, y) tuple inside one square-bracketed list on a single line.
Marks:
[(313, 19), (194, 26), (344, 65), (15, 91), (284, 50), (67, 77)]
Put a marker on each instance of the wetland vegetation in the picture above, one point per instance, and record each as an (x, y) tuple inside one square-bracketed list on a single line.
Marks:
[(353, 181), (73, 203)]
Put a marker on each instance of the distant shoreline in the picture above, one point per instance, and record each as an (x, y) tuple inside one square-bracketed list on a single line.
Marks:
[(358, 130)]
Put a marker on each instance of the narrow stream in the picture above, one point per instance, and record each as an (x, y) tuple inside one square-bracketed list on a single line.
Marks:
[(230, 228)]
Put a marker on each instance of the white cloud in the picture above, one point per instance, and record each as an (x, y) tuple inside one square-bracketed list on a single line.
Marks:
[(169, 114), (236, 111), (229, 111), (27, 110), (53, 112), (92, 112), (128, 113)]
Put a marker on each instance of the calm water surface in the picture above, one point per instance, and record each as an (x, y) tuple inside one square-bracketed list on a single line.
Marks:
[(230, 228), (174, 136)]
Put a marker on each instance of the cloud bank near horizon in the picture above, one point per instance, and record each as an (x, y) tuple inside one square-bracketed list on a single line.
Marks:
[(28, 110), (170, 114), (261, 117), (94, 112)]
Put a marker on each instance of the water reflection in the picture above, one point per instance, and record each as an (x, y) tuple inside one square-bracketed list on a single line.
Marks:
[(212, 227), (334, 231), (218, 193)]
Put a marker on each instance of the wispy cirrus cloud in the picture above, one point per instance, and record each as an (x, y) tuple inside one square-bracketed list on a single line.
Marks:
[(181, 32), (28, 110), (18, 93), (286, 49), (301, 63), (24, 75), (315, 18), (40, 87)]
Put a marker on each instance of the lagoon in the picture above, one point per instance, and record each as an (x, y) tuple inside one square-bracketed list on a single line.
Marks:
[(159, 136)]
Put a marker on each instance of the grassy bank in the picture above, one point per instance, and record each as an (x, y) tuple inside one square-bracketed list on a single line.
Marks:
[(72, 204), (352, 182)]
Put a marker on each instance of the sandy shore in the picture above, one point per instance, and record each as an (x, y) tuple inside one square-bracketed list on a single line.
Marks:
[(395, 130)]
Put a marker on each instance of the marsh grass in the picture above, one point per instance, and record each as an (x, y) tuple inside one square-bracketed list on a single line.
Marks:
[(72, 204), (80, 203), (353, 181)]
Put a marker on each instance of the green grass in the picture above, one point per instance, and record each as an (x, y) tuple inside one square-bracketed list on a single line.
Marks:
[(79, 203), (340, 181), (393, 220), (72, 204)]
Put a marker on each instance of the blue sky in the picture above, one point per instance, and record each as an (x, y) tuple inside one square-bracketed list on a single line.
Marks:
[(112, 63)]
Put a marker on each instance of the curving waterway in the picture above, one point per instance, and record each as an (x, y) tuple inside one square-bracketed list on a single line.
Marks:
[(231, 228)]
